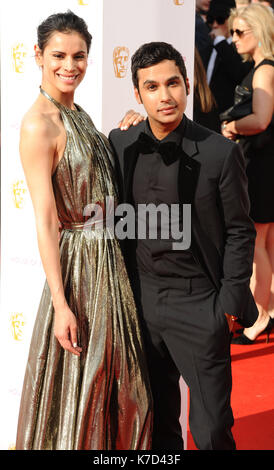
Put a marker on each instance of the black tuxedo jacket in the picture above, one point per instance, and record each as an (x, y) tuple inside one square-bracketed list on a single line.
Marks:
[(203, 41), (228, 72), (212, 179)]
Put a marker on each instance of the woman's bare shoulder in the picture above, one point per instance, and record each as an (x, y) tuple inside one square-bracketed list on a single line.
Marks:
[(264, 72), (37, 135), (39, 121), (34, 121)]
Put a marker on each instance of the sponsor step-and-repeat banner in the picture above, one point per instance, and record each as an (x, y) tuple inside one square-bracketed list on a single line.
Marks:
[(118, 28)]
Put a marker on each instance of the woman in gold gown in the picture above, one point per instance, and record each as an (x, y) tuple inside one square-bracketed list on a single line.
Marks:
[(86, 383)]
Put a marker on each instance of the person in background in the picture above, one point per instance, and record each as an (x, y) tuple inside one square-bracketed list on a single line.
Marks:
[(225, 67), (269, 4), (202, 39), (242, 3), (205, 110), (253, 35), (86, 384)]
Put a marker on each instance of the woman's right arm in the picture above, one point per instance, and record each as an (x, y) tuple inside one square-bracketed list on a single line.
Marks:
[(37, 151), (262, 106)]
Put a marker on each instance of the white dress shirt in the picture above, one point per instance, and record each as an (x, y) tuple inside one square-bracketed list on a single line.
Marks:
[(213, 56)]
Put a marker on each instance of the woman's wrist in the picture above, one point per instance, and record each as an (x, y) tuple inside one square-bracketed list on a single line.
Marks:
[(232, 127), (59, 301)]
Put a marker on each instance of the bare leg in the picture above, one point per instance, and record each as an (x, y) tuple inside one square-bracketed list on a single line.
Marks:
[(261, 280), (270, 250)]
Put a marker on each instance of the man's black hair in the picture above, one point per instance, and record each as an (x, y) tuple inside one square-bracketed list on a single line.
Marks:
[(153, 53)]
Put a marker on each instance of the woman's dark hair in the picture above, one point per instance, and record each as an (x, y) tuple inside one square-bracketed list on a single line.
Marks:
[(202, 92), (153, 53), (64, 23)]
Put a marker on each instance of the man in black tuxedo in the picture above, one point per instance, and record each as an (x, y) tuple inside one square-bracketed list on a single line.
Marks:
[(203, 40), (186, 296), (225, 67)]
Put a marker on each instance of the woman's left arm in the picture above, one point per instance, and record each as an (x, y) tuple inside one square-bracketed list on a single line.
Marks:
[(262, 105)]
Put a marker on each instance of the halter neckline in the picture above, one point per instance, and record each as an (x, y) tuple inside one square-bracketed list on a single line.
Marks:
[(50, 98)]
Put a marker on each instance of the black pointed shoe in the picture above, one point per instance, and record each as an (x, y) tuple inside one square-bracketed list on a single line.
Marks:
[(242, 339)]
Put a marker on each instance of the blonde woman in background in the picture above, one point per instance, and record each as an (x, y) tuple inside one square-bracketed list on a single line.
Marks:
[(253, 34)]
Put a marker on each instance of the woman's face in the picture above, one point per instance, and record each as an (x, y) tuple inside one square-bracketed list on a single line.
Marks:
[(245, 43), (63, 61)]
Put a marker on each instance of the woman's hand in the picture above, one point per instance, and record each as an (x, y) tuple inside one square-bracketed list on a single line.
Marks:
[(228, 130), (65, 330), (131, 118), (262, 106)]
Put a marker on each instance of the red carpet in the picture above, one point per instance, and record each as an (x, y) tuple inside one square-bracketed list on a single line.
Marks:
[(252, 395)]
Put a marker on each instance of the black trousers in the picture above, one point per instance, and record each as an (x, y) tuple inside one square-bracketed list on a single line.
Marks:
[(186, 333)]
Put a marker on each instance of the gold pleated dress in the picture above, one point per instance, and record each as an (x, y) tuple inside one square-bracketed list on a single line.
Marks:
[(101, 400)]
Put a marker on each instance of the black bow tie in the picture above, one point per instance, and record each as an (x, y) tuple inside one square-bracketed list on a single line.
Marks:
[(167, 150)]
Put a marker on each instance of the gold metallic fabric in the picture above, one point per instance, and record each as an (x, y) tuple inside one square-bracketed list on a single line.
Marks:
[(102, 400)]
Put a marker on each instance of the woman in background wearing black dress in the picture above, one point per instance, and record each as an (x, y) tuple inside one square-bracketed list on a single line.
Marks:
[(253, 35)]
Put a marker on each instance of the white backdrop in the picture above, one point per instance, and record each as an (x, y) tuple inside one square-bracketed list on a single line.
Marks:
[(130, 24), (118, 27)]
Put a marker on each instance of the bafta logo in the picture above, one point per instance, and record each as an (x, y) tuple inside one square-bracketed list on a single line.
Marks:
[(82, 2), (18, 192), (120, 61), (19, 54), (179, 2), (17, 326)]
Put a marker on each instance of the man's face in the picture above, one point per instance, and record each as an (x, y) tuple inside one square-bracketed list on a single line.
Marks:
[(163, 93), (202, 5), (221, 27)]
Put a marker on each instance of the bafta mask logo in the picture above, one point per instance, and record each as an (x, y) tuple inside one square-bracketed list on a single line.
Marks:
[(82, 2), (120, 61), (19, 54), (18, 193), (179, 2), (17, 326)]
